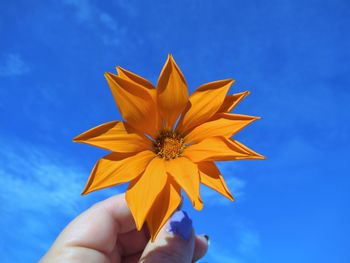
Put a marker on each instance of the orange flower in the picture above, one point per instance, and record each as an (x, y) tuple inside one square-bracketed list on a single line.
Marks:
[(166, 142)]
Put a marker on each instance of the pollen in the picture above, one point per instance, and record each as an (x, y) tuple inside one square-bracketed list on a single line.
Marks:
[(169, 144)]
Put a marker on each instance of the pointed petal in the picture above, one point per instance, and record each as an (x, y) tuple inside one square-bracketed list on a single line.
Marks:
[(142, 192), (136, 79), (211, 177), (216, 149), (136, 104), (204, 103), (185, 173), (115, 136), (117, 168), (222, 124), (164, 206), (128, 75), (247, 150), (172, 92), (231, 101)]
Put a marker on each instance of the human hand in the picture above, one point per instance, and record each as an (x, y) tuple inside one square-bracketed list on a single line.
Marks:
[(107, 233)]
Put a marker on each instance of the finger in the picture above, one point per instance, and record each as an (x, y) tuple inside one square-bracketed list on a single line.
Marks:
[(200, 247), (132, 258), (132, 242), (75, 255), (98, 227), (174, 243)]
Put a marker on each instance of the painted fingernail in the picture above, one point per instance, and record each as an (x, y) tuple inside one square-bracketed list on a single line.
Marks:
[(180, 224)]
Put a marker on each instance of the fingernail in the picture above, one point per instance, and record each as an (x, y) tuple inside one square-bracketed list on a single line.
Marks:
[(180, 224), (207, 238)]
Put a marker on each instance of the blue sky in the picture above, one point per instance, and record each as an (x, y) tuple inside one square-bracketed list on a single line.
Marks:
[(294, 57)]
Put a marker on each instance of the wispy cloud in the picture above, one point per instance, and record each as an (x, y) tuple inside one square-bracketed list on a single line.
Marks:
[(249, 242), (242, 243), (112, 30), (244, 247), (13, 65), (39, 194), (235, 184), (35, 183), (85, 11), (219, 255)]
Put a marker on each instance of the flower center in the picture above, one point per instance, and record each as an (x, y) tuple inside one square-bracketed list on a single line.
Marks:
[(169, 144)]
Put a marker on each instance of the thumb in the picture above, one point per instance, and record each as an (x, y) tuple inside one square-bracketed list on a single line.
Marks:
[(174, 243)]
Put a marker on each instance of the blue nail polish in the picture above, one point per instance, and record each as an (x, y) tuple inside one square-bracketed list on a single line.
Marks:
[(180, 224)]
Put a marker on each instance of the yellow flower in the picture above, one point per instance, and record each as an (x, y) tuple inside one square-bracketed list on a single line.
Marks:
[(166, 142)]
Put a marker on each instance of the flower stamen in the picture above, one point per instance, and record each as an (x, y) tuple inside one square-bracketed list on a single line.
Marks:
[(169, 144)]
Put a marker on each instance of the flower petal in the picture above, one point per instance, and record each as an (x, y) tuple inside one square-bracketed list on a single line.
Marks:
[(164, 206), (247, 150), (136, 104), (222, 124), (117, 168), (203, 104), (115, 136), (211, 177), (231, 101), (142, 192), (125, 74), (186, 175), (172, 92), (216, 149)]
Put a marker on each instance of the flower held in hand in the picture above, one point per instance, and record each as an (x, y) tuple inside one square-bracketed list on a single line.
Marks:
[(166, 142)]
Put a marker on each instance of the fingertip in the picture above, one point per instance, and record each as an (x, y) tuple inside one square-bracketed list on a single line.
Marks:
[(174, 243), (201, 246)]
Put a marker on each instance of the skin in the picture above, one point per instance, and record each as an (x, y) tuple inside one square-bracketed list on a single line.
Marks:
[(107, 233)]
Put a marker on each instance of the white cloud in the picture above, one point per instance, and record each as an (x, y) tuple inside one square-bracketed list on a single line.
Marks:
[(108, 21), (249, 242), (39, 194), (37, 180), (111, 30), (244, 248), (33, 179), (84, 9), (42, 188), (13, 65), (236, 186), (219, 255)]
